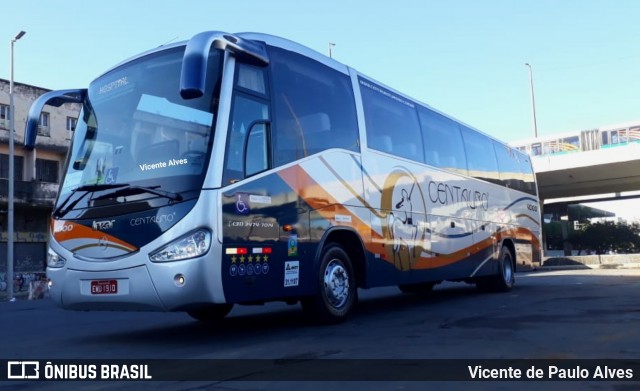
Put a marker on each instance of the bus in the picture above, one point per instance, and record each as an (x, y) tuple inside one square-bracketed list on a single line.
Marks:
[(245, 168)]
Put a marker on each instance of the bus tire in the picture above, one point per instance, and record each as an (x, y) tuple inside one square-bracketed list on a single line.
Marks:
[(420, 288), (337, 292), (502, 281), (211, 313)]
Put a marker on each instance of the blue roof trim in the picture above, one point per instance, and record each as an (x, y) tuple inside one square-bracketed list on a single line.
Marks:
[(194, 64)]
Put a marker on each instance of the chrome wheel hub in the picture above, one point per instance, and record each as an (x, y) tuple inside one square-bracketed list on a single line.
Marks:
[(336, 284)]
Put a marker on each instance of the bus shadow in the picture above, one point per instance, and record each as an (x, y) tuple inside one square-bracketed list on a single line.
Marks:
[(283, 321)]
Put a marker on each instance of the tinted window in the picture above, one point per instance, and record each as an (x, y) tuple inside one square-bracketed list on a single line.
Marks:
[(314, 108), (509, 165), (528, 177), (392, 122), (246, 110), (443, 145), (481, 160), (136, 129), (251, 78)]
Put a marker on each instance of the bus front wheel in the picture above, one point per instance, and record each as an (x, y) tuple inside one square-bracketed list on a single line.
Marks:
[(337, 291), (211, 313)]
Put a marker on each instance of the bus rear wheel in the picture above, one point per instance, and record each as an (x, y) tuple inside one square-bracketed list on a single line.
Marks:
[(337, 291), (504, 279), (211, 313)]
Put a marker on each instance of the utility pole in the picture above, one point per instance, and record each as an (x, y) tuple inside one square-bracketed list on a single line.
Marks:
[(533, 102), (12, 129)]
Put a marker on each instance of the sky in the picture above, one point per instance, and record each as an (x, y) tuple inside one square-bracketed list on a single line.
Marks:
[(463, 57)]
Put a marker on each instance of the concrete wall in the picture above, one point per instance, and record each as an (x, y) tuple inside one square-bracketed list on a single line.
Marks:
[(613, 261)]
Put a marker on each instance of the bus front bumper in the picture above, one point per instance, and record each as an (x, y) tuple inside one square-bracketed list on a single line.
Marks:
[(176, 286)]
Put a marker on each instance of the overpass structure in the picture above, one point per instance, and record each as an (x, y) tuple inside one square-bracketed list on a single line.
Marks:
[(610, 172), (588, 165)]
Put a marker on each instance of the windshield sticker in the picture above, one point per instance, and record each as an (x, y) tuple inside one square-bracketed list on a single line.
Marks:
[(343, 218), (257, 199), (165, 164), (291, 273), (121, 82), (100, 168), (111, 175), (242, 203), (292, 246), (386, 93)]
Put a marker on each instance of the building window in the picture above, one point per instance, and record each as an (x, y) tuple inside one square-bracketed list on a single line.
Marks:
[(47, 170), (4, 116), (71, 123), (71, 126), (18, 162), (43, 125)]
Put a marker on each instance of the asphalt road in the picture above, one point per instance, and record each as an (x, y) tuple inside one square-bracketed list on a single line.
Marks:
[(555, 315)]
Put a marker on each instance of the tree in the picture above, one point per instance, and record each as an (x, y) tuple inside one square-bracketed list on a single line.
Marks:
[(609, 236)]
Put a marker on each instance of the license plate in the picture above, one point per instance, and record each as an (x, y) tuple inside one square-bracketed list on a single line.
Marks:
[(104, 287)]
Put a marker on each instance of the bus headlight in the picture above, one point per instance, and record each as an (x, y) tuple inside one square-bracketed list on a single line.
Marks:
[(191, 245), (54, 260)]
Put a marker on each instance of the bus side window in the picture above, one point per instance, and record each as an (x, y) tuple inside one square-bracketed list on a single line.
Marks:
[(442, 141), (314, 108), (510, 175), (392, 122), (481, 159), (528, 176)]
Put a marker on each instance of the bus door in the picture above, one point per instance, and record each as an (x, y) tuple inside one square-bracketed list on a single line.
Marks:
[(252, 205)]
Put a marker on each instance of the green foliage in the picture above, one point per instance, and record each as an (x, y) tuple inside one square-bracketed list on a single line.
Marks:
[(608, 236), (553, 235)]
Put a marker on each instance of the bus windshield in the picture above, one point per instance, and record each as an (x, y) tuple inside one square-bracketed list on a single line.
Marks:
[(135, 129)]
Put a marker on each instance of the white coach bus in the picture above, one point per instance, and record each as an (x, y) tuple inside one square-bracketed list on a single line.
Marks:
[(246, 168)]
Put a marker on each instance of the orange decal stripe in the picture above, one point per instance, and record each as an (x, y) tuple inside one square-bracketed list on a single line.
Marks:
[(327, 206), (68, 230)]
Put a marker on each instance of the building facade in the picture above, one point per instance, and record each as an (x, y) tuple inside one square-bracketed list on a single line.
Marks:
[(37, 174)]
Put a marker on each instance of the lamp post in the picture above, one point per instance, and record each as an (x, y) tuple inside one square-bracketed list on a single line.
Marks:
[(533, 102), (12, 123), (331, 45)]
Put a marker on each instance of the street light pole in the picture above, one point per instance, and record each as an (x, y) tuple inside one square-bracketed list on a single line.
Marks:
[(12, 123), (533, 102), (331, 45)]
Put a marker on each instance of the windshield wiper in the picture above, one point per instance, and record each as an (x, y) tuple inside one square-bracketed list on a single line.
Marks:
[(133, 190), (61, 210)]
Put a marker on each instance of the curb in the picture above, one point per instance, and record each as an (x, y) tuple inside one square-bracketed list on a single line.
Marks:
[(612, 266)]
